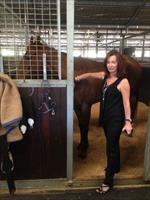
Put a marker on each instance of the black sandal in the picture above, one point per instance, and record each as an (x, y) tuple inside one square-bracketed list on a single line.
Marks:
[(101, 189)]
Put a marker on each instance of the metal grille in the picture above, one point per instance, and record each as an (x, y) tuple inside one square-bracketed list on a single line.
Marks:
[(28, 31)]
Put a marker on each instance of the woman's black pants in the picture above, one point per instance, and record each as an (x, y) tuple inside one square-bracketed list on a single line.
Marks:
[(112, 134)]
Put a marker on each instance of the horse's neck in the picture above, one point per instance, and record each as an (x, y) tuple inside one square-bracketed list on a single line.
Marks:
[(81, 65), (85, 65)]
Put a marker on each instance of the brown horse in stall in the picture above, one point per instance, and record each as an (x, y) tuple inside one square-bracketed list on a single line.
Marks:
[(86, 92)]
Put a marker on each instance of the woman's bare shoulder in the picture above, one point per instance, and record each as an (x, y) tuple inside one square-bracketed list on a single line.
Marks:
[(124, 83)]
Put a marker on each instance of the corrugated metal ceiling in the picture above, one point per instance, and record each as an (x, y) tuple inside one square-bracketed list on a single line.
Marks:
[(118, 12), (88, 13)]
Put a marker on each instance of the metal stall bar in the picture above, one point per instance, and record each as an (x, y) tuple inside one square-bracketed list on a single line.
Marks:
[(1, 64), (59, 39), (70, 75), (147, 152)]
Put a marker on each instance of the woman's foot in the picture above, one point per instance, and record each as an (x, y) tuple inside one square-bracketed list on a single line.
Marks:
[(103, 189)]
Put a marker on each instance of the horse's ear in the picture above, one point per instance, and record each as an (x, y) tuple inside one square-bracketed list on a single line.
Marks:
[(38, 39), (31, 40)]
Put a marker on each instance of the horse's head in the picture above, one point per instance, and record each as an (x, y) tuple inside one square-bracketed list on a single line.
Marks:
[(38, 53)]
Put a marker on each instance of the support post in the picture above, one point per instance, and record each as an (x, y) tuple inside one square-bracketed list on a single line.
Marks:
[(147, 152), (70, 86)]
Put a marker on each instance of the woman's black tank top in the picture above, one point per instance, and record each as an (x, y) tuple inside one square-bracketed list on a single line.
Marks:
[(111, 107)]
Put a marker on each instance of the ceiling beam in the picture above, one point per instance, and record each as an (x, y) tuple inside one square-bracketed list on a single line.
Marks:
[(110, 3), (9, 10), (136, 13)]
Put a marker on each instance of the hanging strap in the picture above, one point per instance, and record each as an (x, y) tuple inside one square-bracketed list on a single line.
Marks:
[(7, 164)]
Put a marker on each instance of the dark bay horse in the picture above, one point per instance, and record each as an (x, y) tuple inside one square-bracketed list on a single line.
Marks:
[(86, 92)]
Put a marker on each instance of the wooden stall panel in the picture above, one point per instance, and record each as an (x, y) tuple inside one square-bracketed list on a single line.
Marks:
[(42, 152)]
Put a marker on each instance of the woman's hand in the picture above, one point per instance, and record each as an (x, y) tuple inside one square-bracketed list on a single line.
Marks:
[(82, 76), (77, 78), (128, 128)]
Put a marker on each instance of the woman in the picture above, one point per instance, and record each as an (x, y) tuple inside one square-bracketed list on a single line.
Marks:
[(115, 112)]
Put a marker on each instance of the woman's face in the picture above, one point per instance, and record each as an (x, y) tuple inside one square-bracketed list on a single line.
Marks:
[(112, 64)]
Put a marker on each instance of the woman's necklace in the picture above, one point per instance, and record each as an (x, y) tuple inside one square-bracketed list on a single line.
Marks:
[(104, 91)]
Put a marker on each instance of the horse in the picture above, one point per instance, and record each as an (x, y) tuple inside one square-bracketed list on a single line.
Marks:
[(86, 92)]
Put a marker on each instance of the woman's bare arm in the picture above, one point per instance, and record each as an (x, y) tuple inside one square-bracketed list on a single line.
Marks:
[(125, 91), (99, 75)]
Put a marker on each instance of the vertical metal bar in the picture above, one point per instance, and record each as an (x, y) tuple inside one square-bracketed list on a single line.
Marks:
[(1, 64), (26, 22), (122, 41), (106, 47), (143, 48), (147, 153), (59, 39), (97, 43), (70, 75), (44, 67)]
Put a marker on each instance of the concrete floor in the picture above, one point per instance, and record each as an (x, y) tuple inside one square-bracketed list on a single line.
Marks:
[(134, 193)]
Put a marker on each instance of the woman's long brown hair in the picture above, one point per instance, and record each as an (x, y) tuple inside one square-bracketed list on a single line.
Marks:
[(121, 69)]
